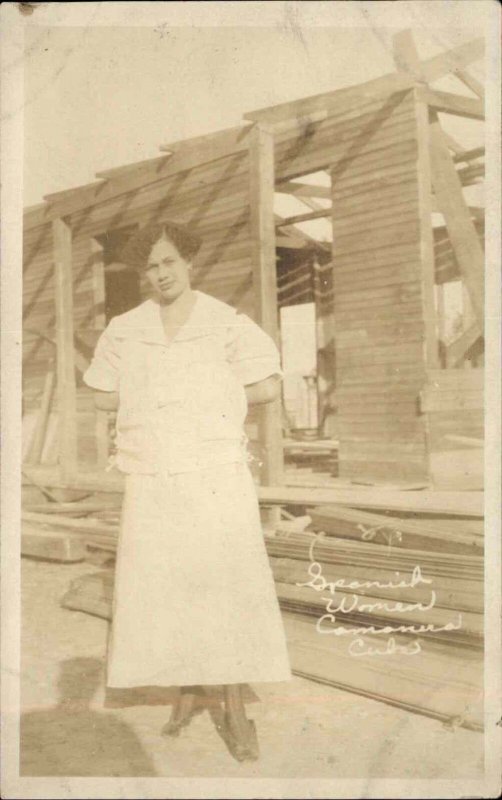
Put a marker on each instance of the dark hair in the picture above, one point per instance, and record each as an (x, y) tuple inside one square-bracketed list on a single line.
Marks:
[(138, 248)]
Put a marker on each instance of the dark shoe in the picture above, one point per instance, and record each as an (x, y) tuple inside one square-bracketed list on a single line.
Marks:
[(245, 748), (181, 716)]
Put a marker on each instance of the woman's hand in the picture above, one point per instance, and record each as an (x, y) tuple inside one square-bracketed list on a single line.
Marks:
[(106, 401), (264, 391)]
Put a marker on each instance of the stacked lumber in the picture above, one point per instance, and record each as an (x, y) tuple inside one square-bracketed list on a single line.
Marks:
[(388, 607), (65, 531)]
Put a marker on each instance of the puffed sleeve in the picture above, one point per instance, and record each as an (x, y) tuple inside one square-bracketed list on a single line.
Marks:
[(103, 371), (252, 353)]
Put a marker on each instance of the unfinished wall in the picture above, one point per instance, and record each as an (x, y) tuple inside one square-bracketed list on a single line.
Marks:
[(213, 198), (378, 292)]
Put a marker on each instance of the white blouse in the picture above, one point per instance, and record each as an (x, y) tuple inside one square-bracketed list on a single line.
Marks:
[(182, 404)]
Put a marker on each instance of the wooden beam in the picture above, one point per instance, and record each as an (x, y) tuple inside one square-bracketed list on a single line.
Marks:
[(461, 228), (74, 200), (453, 60), (304, 189), (36, 449), (456, 104), (229, 138), (405, 55), (323, 212), (432, 69), (110, 174), (68, 195), (291, 242), (457, 350), (261, 201), (471, 174), (66, 387), (469, 155), (452, 143), (98, 284), (295, 232), (471, 82), (371, 90), (406, 58), (429, 502), (468, 504), (81, 363), (426, 234)]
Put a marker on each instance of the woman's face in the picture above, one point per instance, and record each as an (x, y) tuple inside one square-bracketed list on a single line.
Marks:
[(167, 271)]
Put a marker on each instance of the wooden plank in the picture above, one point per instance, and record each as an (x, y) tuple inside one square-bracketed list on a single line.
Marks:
[(450, 593), (431, 68), (461, 228), (337, 143), (50, 546), (80, 362), (456, 104), (458, 57), (304, 189), (422, 684), (66, 387), (428, 502), (324, 212), (261, 202), (456, 351), (470, 175), (427, 263), (36, 449), (457, 378), (351, 96), (145, 165), (471, 82), (98, 283), (98, 193), (377, 216), (230, 140), (407, 60), (405, 55), (434, 400), (467, 504), (469, 155)]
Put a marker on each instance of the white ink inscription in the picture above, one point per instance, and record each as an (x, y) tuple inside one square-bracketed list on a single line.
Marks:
[(351, 602)]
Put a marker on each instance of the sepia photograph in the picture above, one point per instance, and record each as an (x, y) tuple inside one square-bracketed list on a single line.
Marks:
[(257, 544)]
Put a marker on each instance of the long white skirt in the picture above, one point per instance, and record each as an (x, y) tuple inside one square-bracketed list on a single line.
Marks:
[(194, 598)]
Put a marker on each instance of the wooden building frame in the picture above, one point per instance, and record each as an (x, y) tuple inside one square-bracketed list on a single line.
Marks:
[(385, 137)]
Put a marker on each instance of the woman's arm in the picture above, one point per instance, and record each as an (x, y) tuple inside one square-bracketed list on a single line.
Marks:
[(263, 391), (106, 401)]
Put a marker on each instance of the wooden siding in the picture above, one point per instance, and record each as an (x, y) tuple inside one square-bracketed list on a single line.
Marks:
[(213, 198), (452, 402), (378, 293)]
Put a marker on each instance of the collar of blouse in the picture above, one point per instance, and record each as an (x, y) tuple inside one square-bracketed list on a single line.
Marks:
[(144, 323)]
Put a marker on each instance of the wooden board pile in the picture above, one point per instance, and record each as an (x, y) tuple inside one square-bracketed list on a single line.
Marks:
[(390, 607)]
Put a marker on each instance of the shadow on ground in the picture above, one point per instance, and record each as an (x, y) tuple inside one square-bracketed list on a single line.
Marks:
[(73, 739)]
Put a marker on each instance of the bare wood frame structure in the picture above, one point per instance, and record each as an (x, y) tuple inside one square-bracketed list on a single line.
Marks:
[(400, 393)]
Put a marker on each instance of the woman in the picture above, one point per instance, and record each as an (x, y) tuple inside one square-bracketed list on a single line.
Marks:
[(194, 602)]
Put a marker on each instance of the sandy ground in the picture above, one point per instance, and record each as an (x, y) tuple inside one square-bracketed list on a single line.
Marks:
[(71, 727)]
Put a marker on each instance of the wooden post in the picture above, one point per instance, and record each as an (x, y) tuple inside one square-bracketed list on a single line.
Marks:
[(98, 288), (98, 284), (66, 387), (262, 185), (325, 344), (461, 229), (426, 235), (407, 61), (37, 447)]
